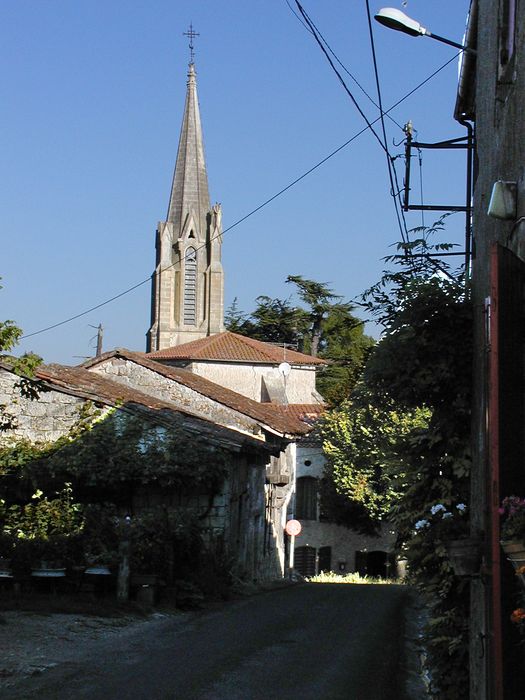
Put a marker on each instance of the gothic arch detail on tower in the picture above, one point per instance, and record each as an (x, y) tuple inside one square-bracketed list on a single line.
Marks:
[(188, 282)]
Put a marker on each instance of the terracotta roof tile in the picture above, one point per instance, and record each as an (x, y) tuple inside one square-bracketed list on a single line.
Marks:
[(307, 413), (232, 347), (89, 385)]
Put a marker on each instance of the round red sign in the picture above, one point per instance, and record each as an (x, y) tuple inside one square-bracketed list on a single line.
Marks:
[(293, 528)]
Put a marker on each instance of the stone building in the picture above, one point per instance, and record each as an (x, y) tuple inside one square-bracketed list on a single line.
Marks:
[(261, 371), (328, 546), (279, 380), (246, 516), (187, 285), (230, 409), (491, 94)]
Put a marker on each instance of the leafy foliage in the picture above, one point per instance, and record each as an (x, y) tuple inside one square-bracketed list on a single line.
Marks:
[(129, 449), (406, 447), (323, 326), (24, 366), (272, 321), (106, 456), (365, 445)]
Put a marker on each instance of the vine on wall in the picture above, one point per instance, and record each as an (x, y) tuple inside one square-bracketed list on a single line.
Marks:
[(103, 459)]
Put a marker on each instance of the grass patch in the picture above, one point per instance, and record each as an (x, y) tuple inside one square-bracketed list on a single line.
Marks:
[(332, 577)]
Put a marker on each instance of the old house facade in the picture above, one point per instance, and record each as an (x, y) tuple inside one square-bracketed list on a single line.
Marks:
[(325, 545), (230, 409), (492, 95), (239, 515)]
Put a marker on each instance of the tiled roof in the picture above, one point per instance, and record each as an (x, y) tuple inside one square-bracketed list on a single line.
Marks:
[(263, 413), (306, 412), (78, 381), (81, 382), (232, 347)]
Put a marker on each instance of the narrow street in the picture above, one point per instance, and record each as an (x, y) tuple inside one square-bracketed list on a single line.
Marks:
[(314, 641)]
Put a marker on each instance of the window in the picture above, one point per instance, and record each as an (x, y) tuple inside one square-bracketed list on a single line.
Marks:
[(508, 32), (306, 498), (325, 559), (190, 287), (304, 560)]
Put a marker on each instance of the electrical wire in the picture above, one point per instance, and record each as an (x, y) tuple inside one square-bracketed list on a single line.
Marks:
[(317, 38), (341, 64), (383, 143), (252, 212), (395, 190)]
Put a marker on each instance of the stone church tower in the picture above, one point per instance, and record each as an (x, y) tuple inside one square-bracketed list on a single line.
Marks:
[(188, 282)]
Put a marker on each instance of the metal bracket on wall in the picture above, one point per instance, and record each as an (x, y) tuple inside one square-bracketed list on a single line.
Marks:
[(463, 143)]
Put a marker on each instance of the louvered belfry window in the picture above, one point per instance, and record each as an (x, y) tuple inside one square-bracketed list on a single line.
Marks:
[(190, 287)]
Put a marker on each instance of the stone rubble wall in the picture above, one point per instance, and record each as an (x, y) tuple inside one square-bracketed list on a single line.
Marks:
[(143, 379), (45, 419)]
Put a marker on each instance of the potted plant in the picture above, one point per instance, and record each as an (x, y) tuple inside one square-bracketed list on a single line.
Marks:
[(464, 555), (512, 511), (48, 556), (449, 527)]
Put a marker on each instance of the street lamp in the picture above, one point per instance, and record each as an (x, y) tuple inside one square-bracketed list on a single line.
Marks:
[(395, 19)]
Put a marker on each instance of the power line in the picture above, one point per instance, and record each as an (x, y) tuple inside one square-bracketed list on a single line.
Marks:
[(394, 188), (252, 212), (383, 143), (316, 36), (338, 60)]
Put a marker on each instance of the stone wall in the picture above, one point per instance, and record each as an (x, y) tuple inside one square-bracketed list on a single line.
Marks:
[(143, 379), (43, 420), (256, 535)]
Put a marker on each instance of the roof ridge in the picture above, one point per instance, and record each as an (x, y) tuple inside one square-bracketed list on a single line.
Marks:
[(258, 344)]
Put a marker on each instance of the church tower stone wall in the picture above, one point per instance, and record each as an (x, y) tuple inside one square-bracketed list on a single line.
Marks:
[(188, 282)]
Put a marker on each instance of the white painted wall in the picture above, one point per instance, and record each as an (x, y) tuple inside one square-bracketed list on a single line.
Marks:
[(344, 541), (246, 379)]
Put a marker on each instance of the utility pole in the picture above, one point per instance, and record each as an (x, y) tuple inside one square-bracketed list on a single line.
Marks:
[(100, 336)]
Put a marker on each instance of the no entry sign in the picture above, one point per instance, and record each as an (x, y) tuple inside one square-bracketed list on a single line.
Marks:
[(293, 528)]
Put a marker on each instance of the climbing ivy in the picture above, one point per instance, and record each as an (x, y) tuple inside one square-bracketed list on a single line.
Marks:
[(105, 457)]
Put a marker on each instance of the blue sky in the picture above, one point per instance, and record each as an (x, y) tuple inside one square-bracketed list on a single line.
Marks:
[(93, 94)]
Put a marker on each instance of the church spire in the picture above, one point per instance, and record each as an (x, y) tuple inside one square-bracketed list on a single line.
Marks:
[(189, 190), (188, 285)]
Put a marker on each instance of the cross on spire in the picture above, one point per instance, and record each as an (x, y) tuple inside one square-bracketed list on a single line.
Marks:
[(191, 35)]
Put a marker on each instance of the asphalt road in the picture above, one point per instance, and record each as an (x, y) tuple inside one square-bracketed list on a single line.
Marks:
[(312, 641)]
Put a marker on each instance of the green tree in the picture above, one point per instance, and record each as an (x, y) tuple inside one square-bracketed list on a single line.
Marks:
[(332, 332), (234, 318), (24, 366), (365, 445), (323, 326), (420, 369), (320, 304)]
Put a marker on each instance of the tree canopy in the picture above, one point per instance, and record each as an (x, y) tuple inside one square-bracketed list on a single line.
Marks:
[(400, 448), (322, 326)]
